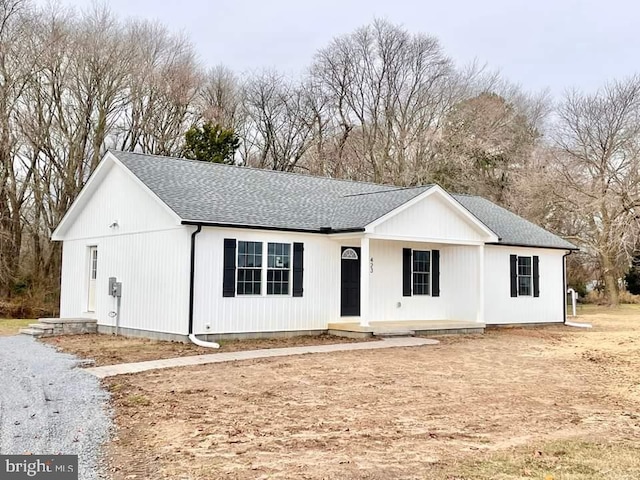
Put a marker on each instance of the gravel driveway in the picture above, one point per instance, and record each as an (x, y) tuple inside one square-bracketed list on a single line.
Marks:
[(48, 406)]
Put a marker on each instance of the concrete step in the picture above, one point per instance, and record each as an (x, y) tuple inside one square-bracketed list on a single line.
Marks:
[(67, 320), (31, 331), (41, 326), (394, 333)]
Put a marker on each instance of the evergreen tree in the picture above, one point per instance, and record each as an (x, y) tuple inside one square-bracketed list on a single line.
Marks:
[(632, 278), (210, 143)]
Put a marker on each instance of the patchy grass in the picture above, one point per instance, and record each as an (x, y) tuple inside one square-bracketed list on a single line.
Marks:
[(136, 400), (555, 403), (592, 309), (111, 349), (558, 460), (11, 326)]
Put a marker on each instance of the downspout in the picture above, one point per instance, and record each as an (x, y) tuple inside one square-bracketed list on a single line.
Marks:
[(192, 275), (564, 286)]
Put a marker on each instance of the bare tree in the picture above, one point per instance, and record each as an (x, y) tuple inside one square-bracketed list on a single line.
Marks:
[(220, 98), (597, 174), (16, 69), (162, 88), (485, 142), (389, 92), (278, 122)]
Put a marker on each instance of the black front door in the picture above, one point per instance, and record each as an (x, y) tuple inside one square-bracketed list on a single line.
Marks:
[(350, 282)]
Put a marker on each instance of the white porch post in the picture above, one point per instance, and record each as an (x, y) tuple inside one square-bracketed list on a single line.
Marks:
[(364, 281), (481, 282)]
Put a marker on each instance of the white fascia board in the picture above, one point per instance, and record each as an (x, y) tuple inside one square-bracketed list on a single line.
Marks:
[(437, 189), (443, 241), (346, 236)]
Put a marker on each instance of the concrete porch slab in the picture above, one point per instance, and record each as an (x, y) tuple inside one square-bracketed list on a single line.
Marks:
[(67, 320), (418, 327)]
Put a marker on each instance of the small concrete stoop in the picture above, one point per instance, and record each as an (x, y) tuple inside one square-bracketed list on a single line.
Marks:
[(393, 333), (32, 331), (51, 327)]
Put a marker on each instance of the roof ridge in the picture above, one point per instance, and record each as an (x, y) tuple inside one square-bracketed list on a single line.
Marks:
[(256, 169), (466, 195), (397, 189)]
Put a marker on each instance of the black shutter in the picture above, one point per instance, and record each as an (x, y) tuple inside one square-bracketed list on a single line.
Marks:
[(514, 275), (406, 272), (435, 273), (298, 268), (229, 278), (536, 276)]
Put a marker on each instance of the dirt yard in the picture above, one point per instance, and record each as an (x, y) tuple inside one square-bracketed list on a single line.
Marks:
[(553, 403), (111, 349)]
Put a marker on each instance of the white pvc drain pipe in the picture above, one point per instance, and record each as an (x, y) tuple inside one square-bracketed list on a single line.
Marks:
[(578, 325), (202, 343)]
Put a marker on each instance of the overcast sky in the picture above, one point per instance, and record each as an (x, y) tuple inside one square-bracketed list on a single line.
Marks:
[(536, 43)]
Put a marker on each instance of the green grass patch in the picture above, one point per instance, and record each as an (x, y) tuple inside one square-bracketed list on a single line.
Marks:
[(10, 326)]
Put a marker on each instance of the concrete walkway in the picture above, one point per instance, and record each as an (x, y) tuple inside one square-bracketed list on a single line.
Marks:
[(124, 368)]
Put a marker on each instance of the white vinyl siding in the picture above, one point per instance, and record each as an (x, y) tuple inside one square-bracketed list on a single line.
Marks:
[(458, 284), (153, 268), (148, 252), (501, 308), (444, 222), (319, 305)]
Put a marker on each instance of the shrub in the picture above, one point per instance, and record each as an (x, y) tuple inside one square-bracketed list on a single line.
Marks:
[(597, 297), (594, 297), (627, 297)]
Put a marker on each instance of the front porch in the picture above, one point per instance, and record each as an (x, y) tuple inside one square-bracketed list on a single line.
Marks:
[(382, 291), (406, 327)]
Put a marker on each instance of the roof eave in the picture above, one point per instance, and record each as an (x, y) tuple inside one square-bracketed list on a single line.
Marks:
[(321, 230), (524, 245)]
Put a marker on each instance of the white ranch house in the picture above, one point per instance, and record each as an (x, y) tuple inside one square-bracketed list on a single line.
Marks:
[(224, 251)]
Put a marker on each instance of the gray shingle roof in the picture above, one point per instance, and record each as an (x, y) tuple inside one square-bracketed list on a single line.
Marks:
[(511, 228), (223, 194)]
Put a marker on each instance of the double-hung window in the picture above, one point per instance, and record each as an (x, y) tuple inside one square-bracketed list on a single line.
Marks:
[(249, 268), (421, 272), (525, 274), (263, 269), (278, 268)]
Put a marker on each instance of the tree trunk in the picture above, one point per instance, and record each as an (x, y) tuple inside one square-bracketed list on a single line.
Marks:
[(610, 281)]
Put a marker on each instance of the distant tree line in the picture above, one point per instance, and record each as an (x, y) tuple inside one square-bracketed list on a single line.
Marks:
[(378, 104)]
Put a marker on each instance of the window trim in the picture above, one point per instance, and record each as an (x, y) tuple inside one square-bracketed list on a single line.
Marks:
[(530, 276), (264, 269), (429, 274)]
